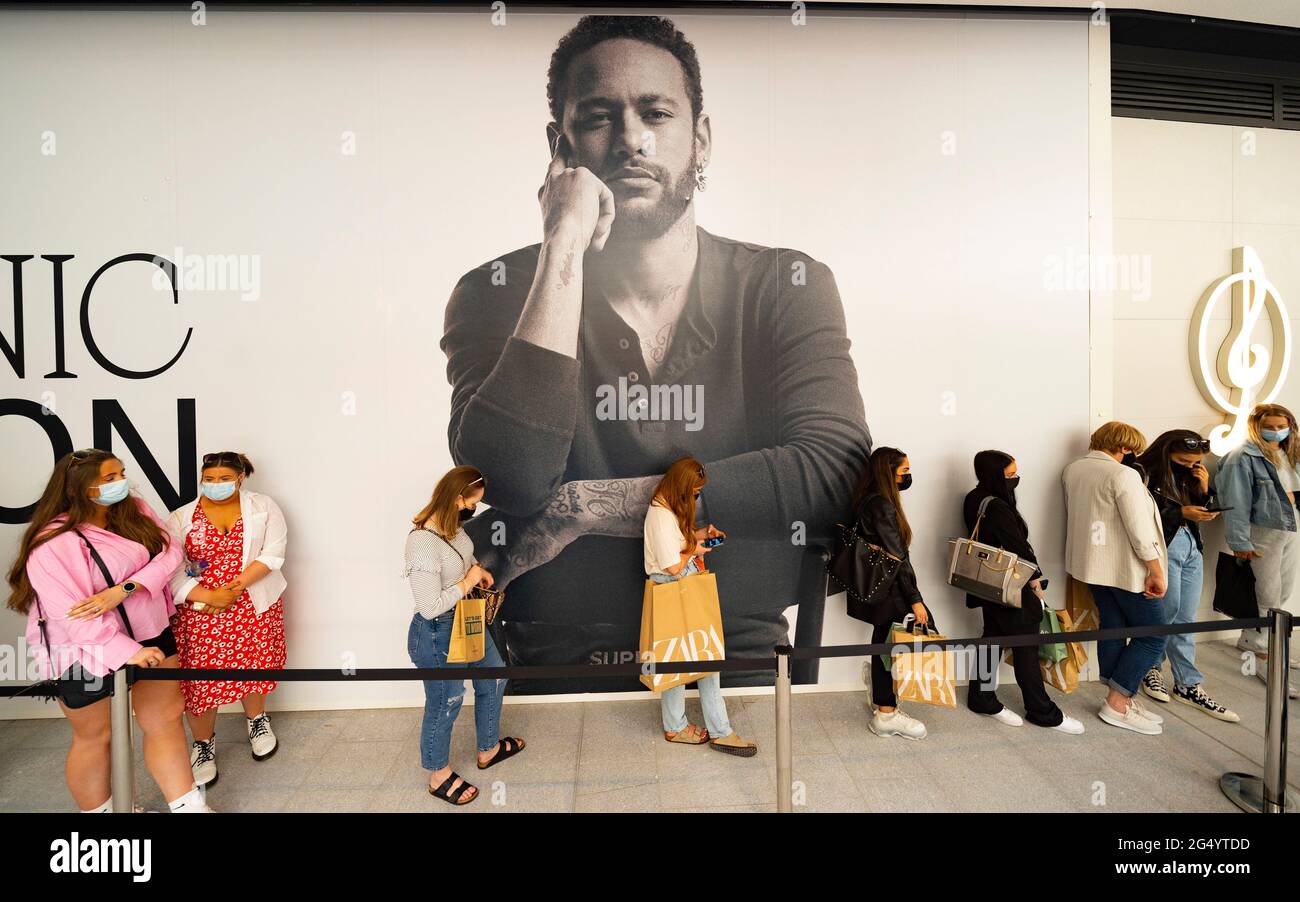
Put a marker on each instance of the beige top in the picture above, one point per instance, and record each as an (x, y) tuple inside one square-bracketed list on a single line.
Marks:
[(664, 542), (1112, 524)]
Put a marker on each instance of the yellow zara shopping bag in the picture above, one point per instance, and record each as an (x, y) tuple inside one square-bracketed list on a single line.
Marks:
[(467, 632), (922, 675), (680, 621)]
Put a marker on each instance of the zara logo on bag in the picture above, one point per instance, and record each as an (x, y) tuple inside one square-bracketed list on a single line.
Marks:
[(696, 645)]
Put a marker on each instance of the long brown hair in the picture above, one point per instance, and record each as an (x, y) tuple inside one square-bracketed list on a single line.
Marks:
[(67, 492), (1290, 446), (458, 482), (676, 491), (878, 478)]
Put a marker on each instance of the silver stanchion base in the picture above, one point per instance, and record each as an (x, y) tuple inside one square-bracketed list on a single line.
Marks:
[(1247, 791)]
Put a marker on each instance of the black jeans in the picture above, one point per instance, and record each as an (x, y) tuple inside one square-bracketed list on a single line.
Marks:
[(1039, 707), (882, 684)]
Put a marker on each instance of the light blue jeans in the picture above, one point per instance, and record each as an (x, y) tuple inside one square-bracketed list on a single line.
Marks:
[(1181, 602), (672, 702), (427, 642)]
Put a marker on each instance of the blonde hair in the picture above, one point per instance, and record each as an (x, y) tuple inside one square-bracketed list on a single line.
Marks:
[(1115, 435), (458, 482), (1290, 446)]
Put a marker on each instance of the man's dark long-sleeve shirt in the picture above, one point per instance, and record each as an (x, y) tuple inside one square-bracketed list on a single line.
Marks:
[(783, 437)]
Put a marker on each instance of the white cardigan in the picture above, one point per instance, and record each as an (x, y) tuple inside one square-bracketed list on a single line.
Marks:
[(265, 536)]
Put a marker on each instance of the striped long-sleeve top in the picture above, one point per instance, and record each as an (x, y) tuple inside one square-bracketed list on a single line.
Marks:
[(434, 567)]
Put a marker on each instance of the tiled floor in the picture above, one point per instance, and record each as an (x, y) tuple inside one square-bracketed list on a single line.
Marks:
[(610, 756)]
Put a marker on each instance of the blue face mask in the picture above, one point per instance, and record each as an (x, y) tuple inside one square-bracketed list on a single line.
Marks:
[(112, 492), (1279, 436), (218, 491)]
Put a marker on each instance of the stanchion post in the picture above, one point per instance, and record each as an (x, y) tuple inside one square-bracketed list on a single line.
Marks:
[(1269, 795), (123, 761), (784, 762), (1279, 650)]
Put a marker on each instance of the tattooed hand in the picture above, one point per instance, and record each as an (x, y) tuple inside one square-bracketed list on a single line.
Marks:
[(605, 507)]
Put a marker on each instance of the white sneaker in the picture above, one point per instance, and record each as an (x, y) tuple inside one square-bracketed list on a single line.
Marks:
[(260, 736), (1292, 690), (896, 723), (1145, 711), (203, 761), (1070, 725), (1008, 717), (1129, 720)]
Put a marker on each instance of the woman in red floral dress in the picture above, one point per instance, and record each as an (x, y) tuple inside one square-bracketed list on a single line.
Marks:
[(229, 610)]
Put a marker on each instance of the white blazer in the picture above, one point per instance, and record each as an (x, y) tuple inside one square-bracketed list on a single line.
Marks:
[(1112, 524), (265, 536)]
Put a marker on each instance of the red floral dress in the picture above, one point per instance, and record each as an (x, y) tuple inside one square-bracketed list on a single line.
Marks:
[(235, 637)]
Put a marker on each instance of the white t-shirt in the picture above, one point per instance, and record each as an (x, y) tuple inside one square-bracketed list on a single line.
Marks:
[(664, 542), (1287, 475)]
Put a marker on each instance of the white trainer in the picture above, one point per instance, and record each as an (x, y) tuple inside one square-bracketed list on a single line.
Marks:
[(1145, 711), (896, 723), (203, 761), (1008, 717), (1069, 725), (260, 736), (1129, 720), (1292, 690)]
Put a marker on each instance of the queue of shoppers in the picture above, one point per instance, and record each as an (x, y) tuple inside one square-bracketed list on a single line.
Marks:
[(105, 582)]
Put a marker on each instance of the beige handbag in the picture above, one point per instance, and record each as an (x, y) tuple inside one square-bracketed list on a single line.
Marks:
[(985, 571)]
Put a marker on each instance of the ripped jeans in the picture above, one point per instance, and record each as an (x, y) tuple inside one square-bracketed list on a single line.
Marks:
[(427, 642)]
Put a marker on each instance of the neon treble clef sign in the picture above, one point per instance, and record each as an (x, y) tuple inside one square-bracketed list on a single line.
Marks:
[(1248, 370)]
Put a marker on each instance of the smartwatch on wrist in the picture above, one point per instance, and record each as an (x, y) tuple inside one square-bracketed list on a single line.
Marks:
[(128, 587)]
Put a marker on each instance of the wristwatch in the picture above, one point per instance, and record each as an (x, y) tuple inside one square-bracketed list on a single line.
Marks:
[(128, 587)]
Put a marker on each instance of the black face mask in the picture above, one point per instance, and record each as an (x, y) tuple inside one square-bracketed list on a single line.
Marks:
[(906, 482), (1129, 459), (466, 513), (1012, 482)]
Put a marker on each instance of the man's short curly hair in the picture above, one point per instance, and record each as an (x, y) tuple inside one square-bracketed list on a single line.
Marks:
[(592, 30)]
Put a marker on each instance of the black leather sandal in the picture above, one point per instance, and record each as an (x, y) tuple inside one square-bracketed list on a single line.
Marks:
[(506, 748), (445, 793)]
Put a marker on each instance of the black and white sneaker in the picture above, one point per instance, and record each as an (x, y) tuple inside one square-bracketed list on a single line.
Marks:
[(1196, 697), (1153, 684), (203, 761), (260, 736)]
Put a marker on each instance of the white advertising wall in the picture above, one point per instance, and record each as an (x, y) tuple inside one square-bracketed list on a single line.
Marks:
[(355, 165)]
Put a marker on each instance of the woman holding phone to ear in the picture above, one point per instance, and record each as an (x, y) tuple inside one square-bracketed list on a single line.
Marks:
[(92, 575)]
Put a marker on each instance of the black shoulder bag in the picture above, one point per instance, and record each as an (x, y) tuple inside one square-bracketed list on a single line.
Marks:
[(48, 690)]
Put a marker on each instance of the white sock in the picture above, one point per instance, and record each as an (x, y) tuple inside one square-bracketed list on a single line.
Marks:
[(105, 808), (190, 802)]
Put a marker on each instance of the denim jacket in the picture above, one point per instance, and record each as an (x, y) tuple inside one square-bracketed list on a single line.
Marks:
[(1247, 482)]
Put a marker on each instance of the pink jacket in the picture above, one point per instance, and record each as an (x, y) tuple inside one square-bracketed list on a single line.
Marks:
[(62, 573)]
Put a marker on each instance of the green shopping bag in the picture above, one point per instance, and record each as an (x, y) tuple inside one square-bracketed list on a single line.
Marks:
[(1055, 652)]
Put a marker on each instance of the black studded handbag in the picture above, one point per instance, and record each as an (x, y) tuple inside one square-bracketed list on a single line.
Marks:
[(863, 570)]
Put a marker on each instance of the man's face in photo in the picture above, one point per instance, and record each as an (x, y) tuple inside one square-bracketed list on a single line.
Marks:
[(628, 118)]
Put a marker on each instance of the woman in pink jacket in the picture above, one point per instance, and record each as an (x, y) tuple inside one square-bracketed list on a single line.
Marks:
[(93, 577)]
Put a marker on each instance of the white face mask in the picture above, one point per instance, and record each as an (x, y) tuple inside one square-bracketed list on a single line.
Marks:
[(112, 492), (218, 491)]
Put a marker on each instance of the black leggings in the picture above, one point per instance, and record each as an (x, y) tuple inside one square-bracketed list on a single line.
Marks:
[(1039, 707), (882, 684)]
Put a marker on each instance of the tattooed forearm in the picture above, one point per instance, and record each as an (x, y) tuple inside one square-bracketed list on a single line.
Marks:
[(615, 507), (566, 270)]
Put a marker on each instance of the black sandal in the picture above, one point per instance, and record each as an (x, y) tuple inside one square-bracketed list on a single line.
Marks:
[(454, 798), (506, 748)]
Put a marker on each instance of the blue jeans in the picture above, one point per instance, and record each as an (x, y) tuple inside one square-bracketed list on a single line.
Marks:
[(1181, 602), (1123, 663), (672, 702), (427, 642)]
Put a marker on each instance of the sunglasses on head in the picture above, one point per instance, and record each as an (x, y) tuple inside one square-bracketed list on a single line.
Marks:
[(1193, 444)]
